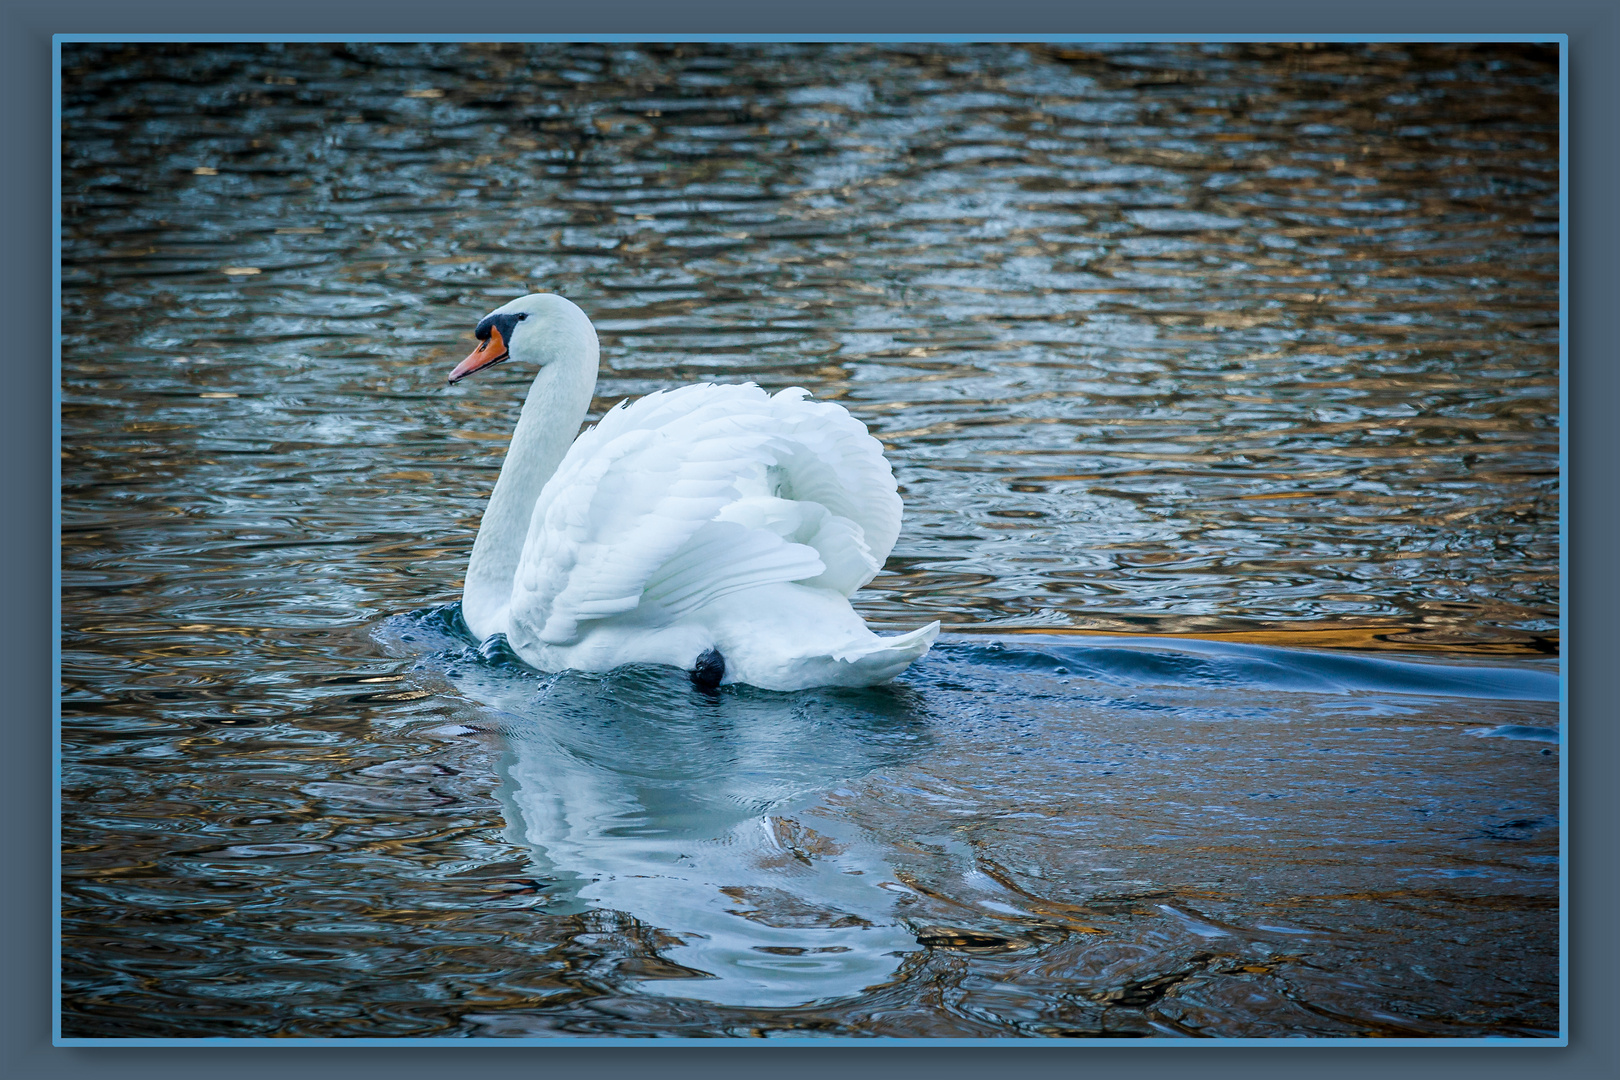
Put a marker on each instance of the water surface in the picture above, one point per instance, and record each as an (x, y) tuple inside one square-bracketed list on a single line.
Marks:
[(1252, 346)]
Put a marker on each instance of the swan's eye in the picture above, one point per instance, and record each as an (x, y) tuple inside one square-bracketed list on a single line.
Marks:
[(499, 324)]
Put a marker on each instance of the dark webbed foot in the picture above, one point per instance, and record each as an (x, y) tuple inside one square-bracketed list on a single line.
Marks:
[(710, 669)]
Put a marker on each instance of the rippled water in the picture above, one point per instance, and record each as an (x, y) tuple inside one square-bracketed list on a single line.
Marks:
[(1248, 343)]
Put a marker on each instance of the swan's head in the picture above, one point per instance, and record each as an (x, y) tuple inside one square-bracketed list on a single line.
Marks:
[(522, 330)]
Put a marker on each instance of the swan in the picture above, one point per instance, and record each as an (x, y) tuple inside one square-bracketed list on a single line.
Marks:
[(716, 528)]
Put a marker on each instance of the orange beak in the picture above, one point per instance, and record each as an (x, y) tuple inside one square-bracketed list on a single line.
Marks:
[(492, 350)]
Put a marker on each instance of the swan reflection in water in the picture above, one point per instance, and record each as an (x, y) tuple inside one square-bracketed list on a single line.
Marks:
[(690, 811)]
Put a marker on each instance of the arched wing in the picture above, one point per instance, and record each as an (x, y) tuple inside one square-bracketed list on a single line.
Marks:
[(687, 495)]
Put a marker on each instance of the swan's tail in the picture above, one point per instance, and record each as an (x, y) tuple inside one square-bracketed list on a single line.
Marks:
[(793, 636), (885, 658), (862, 659)]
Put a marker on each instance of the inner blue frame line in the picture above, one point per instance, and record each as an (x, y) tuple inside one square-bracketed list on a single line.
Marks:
[(1564, 617), (953, 39), (55, 884), (567, 1041), (1563, 542)]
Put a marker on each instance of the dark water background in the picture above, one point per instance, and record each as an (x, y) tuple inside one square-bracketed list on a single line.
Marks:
[(1256, 343)]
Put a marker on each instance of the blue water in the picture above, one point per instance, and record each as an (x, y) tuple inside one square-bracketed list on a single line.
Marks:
[(1017, 837), (814, 851), (1147, 661)]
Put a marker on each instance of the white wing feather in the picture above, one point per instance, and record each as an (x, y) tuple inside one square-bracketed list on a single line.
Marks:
[(689, 495)]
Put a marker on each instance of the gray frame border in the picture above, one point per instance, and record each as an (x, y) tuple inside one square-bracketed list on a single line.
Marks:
[(1590, 284)]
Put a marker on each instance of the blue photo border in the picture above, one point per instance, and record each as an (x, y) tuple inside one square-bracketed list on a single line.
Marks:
[(1562, 40)]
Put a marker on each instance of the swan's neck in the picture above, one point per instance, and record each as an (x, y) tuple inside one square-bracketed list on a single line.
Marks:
[(557, 403)]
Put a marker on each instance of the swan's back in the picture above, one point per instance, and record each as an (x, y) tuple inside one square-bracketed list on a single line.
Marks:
[(679, 500)]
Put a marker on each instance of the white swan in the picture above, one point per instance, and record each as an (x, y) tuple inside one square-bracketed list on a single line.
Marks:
[(715, 528)]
